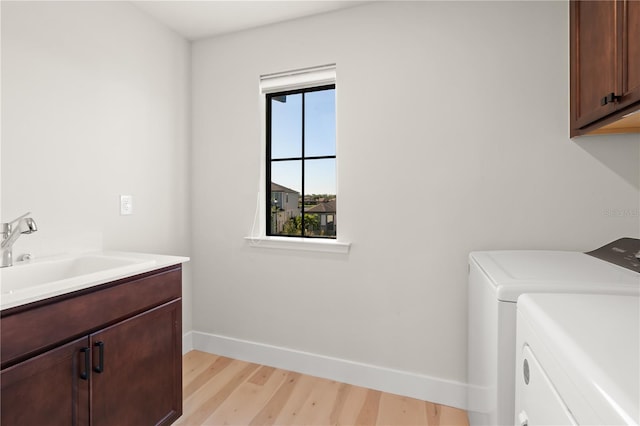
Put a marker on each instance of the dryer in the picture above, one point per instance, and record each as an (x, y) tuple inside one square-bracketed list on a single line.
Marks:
[(497, 279), (578, 360)]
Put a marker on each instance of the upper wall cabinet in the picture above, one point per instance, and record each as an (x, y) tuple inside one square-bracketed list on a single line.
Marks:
[(605, 66)]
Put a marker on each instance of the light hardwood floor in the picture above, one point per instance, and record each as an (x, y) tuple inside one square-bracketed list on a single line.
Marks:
[(224, 391)]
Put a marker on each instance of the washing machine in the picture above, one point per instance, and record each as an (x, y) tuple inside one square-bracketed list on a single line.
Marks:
[(497, 278), (577, 360)]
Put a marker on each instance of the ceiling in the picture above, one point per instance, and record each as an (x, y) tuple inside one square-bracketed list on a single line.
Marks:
[(198, 19)]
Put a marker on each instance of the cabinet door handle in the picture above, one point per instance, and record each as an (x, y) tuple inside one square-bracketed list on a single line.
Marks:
[(100, 367), (84, 374), (610, 98)]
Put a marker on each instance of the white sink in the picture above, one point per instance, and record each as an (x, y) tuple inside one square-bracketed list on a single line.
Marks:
[(42, 278), (26, 275)]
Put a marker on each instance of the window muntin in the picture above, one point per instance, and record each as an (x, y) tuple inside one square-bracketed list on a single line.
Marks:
[(301, 162)]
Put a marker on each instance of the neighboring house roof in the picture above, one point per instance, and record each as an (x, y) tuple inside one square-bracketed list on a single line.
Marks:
[(279, 188), (328, 207)]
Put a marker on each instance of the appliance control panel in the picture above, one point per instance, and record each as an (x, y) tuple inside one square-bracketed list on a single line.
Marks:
[(624, 252)]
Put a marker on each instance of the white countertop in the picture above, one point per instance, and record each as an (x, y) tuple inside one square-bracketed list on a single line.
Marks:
[(46, 277)]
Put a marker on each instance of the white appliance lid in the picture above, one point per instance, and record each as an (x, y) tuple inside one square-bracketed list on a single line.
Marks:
[(595, 340), (514, 272)]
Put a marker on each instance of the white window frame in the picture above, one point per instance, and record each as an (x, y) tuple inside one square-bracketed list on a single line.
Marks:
[(279, 82)]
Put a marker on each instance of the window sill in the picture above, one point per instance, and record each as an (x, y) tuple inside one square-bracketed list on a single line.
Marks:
[(306, 244)]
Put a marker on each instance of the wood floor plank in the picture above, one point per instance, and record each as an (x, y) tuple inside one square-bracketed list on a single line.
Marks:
[(247, 400), (453, 416), (216, 400), (301, 391), (317, 408), (262, 375), (210, 382), (212, 369), (352, 406), (208, 397), (194, 363), (400, 411), (223, 391), (433, 413), (341, 398), (369, 412), (271, 411)]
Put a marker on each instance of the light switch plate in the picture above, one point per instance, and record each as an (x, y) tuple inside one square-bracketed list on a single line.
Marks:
[(126, 205)]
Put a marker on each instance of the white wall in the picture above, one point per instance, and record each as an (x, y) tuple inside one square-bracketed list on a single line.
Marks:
[(95, 103), (461, 108)]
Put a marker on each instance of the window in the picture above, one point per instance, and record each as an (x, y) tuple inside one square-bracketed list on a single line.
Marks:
[(301, 162)]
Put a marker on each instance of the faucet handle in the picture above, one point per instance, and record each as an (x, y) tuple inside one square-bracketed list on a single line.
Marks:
[(31, 226)]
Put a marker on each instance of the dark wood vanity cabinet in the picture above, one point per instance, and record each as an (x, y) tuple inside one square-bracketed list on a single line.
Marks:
[(605, 65), (46, 389), (125, 368), (141, 381)]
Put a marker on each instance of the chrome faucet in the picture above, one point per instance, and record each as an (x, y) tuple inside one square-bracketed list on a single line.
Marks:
[(10, 232)]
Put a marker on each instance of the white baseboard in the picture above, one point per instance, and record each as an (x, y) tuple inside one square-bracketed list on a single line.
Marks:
[(389, 380), (187, 342)]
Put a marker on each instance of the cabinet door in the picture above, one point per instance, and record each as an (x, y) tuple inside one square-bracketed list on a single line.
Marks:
[(594, 60), (137, 369), (629, 28), (51, 388)]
